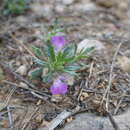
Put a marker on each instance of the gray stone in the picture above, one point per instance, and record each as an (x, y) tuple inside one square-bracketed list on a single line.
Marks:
[(87, 121)]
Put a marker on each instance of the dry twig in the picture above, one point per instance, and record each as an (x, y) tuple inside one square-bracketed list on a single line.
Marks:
[(63, 116), (10, 118), (8, 98), (31, 116), (56, 121), (23, 45), (36, 93), (107, 91), (86, 84), (27, 88), (7, 67), (118, 105)]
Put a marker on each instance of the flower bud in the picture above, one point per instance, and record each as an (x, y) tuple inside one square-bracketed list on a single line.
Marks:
[(58, 42), (58, 86)]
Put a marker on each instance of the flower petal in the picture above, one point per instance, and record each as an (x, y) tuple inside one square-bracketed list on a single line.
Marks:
[(58, 42), (59, 87)]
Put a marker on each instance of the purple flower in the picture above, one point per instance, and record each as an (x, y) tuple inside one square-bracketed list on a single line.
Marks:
[(58, 42), (59, 87)]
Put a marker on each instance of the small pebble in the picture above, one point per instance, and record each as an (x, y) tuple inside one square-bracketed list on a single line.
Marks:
[(22, 84), (45, 71), (56, 98), (124, 63), (22, 70), (70, 80), (60, 8)]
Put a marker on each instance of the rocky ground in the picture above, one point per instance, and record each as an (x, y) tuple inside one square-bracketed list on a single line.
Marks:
[(28, 105)]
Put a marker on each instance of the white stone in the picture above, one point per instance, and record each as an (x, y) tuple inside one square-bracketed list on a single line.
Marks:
[(22, 84), (56, 98), (22, 70), (123, 5), (60, 8), (21, 19), (127, 53), (87, 43), (84, 7), (124, 63), (68, 2), (44, 72), (70, 80)]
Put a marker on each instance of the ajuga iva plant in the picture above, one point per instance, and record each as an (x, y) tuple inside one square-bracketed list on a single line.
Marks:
[(15, 6), (57, 57)]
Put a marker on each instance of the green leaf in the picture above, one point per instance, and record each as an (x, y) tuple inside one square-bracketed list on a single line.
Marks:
[(15, 6), (36, 73), (72, 67), (83, 53), (45, 51), (59, 30), (37, 52), (55, 23), (40, 62), (69, 51), (88, 50), (75, 49), (70, 72), (59, 58), (66, 51), (69, 60), (48, 77), (50, 52), (69, 54)]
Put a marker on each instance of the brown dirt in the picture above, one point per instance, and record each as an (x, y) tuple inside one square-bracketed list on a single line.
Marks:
[(32, 111)]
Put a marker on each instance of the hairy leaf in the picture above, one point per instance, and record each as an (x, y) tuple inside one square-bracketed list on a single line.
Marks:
[(69, 51), (48, 77), (70, 72), (50, 52), (72, 67), (37, 52), (40, 62), (87, 50), (36, 72)]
